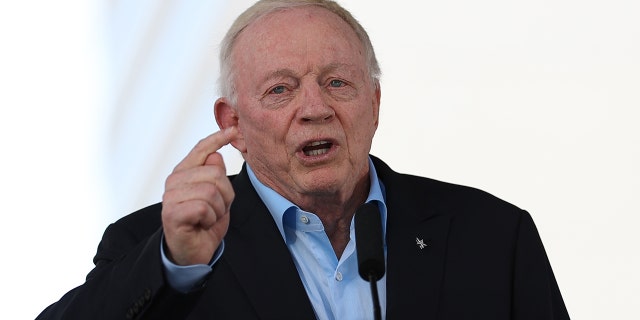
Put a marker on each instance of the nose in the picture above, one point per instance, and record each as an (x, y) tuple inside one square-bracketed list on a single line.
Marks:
[(313, 105)]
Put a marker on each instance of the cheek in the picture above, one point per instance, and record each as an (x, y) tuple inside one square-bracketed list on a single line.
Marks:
[(263, 129), (365, 119), (253, 122), (363, 125)]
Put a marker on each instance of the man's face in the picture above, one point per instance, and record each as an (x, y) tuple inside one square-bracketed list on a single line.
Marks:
[(307, 109)]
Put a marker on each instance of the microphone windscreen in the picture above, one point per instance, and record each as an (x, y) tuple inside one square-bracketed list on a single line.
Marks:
[(368, 229)]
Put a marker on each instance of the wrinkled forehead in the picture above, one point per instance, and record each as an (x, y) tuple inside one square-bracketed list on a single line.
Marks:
[(280, 26)]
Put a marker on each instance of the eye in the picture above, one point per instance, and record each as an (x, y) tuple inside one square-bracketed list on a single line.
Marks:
[(335, 83), (278, 90)]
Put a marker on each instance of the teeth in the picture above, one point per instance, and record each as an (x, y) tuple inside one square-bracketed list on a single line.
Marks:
[(316, 152), (317, 143), (317, 148)]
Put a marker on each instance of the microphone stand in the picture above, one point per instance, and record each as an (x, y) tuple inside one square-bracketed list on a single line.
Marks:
[(374, 295)]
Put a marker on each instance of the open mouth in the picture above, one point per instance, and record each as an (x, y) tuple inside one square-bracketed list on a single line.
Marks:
[(317, 148)]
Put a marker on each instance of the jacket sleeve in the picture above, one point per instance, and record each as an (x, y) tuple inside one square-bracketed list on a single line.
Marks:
[(535, 291), (127, 281)]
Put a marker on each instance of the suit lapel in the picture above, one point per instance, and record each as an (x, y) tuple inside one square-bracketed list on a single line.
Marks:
[(257, 254), (415, 271), (417, 235), (263, 266)]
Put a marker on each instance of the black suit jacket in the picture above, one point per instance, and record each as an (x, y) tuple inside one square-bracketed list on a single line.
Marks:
[(484, 260)]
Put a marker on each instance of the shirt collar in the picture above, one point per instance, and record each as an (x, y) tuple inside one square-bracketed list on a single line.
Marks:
[(278, 205)]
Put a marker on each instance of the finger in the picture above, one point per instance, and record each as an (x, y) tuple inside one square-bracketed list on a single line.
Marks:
[(198, 155), (214, 159), (206, 192), (202, 209), (226, 191), (206, 173), (187, 216), (211, 174)]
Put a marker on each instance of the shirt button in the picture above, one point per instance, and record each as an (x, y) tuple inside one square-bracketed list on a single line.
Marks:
[(339, 276), (304, 219)]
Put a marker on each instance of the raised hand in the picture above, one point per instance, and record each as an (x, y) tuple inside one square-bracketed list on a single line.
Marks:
[(196, 202)]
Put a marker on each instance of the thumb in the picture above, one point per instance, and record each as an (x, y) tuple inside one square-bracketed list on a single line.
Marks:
[(214, 159)]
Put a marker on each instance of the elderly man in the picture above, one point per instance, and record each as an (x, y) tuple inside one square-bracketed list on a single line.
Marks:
[(300, 101)]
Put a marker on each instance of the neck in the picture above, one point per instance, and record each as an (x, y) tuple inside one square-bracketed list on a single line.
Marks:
[(336, 213)]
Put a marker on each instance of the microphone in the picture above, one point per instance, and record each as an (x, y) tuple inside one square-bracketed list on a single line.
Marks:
[(368, 229)]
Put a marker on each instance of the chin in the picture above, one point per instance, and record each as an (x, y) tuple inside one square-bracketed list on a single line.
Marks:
[(321, 181)]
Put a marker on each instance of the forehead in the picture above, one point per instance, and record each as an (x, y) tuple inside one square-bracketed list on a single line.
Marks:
[(311, 33), (298, 16)]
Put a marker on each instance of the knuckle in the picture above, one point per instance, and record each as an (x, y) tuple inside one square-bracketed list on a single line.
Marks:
[(168, 197), (200, 208), (210, 191), (171, 180)]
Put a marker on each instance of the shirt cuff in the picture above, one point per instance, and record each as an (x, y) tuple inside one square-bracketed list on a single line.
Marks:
[(186, 278)]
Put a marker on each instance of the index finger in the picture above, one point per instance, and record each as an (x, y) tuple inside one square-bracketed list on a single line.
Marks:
[(211, 144)]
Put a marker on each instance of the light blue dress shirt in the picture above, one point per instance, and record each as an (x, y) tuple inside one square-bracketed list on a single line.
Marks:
[(334, 287)]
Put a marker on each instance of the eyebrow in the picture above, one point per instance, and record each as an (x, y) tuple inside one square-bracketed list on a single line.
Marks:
[(351, 69), (286, 73), (280, 73)]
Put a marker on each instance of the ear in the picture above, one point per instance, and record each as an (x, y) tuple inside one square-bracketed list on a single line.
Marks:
[(227, 116), (376, 103)]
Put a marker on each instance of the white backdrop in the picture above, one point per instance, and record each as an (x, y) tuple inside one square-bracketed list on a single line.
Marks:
[(534, 101)]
